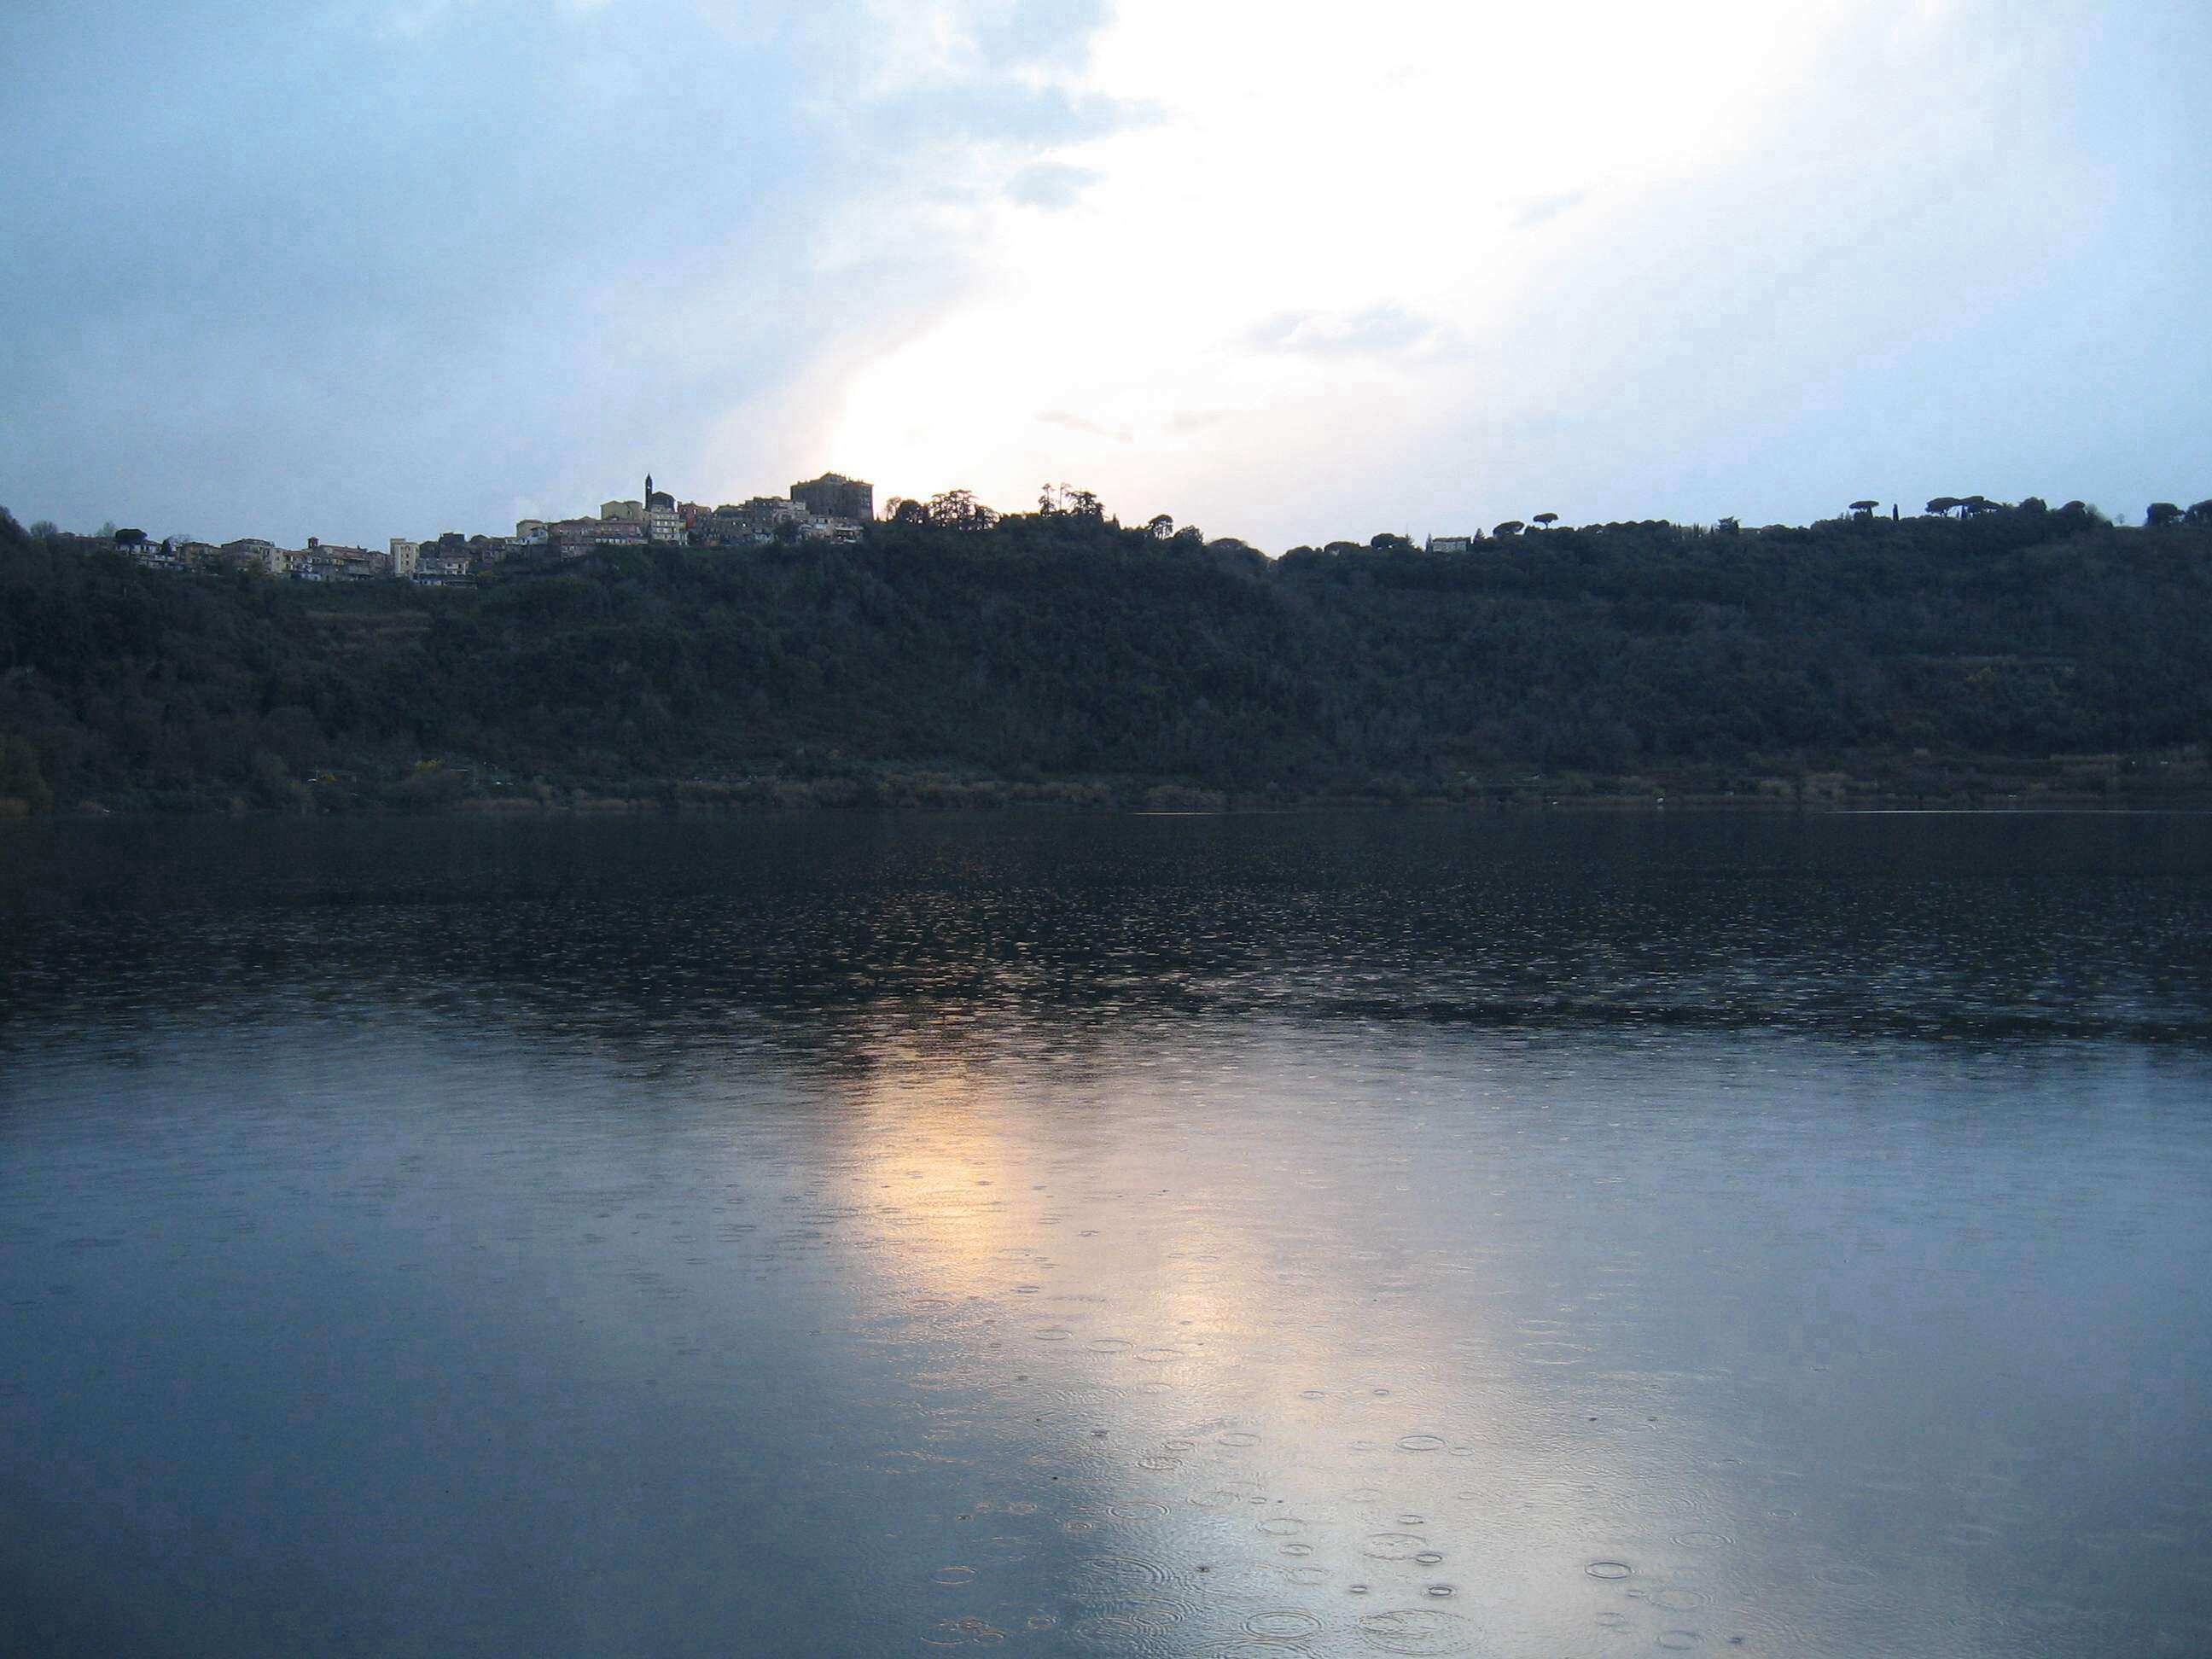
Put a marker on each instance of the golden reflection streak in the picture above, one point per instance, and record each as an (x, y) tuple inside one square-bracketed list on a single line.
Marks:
[(1289, 1346)]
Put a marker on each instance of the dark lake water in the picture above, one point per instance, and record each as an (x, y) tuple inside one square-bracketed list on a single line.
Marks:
[(1175, 1235)]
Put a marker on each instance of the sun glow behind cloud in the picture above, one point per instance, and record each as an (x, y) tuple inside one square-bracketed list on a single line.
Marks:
[(1302, 184), (1380, 267)]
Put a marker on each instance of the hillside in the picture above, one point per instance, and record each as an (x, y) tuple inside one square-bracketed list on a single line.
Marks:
[(2025, 652)]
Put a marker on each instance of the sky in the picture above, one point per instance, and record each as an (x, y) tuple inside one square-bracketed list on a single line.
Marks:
[(358, 269)]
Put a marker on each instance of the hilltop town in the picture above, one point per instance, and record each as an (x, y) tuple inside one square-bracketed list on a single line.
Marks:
[(834, 509), (831, 509)]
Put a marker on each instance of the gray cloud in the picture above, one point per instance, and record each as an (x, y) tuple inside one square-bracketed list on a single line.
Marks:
[(1061, 419), (362, 270), (1050, 185), (1380, 330), (1549, 207)]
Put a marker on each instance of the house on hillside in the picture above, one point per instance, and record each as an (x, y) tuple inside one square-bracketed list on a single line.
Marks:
[(441, 568), (825, 528), (577, 537), (250, 550)]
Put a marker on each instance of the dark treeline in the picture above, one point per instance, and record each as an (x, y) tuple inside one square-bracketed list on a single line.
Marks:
[(1060, 652)]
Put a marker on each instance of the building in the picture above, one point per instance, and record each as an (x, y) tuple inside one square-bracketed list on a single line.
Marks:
[(724, 526), (441, 568), (748, 523), (325, 561), (330, 562), (405, 554), (576, 537), (1451, 543), (833, 496), (664, 520), (250, 552), (658, 513)]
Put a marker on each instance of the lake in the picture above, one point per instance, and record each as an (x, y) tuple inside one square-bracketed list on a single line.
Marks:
[(1361, 1233)]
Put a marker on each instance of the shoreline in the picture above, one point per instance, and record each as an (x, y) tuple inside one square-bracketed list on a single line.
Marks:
[(790, 801)]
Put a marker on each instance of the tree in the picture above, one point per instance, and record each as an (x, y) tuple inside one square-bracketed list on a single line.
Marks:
[(1863, 509), (903, 510), (2159, 515), (1729, 526), (1547, 519), (1385, 541), (1511, 527), (19, 777), (1941, 505), (1159, 526), (2201, 513), (45, 530), (959, 509), (1053, 499), (130, 539)]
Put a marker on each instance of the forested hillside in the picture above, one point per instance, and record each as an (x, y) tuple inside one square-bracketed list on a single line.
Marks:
[(1060, 655)]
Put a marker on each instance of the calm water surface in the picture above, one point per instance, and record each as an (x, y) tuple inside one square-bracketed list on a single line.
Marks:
[(1388, 1235)]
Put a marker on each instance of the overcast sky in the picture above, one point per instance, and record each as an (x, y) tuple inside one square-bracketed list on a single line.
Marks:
[(366, 268)]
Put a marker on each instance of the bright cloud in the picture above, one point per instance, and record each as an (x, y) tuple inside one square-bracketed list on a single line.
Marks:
[(1424, 262)]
